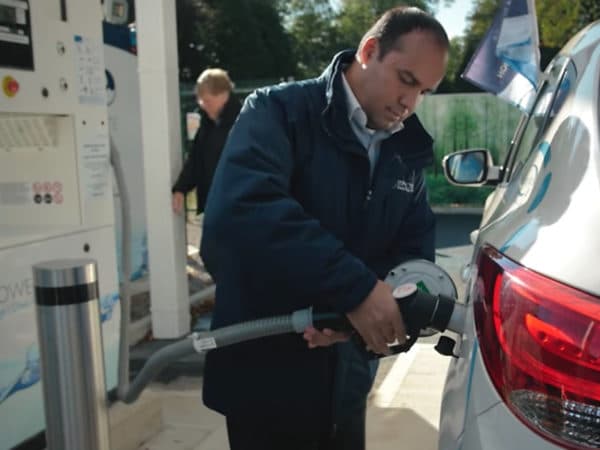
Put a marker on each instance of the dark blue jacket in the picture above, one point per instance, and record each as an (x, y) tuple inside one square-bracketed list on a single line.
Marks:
[(292, 220)]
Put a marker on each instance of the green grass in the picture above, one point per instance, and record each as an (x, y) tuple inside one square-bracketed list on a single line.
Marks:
[(441, 192)]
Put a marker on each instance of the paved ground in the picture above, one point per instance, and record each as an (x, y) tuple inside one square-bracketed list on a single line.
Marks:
[(404, 406)]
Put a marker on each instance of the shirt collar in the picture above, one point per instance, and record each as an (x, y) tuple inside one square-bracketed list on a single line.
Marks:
[(357, 115)]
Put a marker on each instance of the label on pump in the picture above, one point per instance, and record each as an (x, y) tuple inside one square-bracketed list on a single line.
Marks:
[(15, 193), (89, 61)]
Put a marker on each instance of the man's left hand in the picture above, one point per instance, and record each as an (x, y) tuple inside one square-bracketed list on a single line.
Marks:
[(323, 338)]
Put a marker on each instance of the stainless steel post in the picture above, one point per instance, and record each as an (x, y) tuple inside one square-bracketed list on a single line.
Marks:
[(72, 363)]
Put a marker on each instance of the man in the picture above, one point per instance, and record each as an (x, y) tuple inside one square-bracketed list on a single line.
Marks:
[(218, 111), (319, 194)]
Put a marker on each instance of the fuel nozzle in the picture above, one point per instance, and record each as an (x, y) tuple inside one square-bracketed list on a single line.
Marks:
[(424, 310), (427, 298)]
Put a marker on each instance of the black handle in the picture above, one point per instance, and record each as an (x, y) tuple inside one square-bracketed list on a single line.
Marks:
[(420, 310), (333, 321)]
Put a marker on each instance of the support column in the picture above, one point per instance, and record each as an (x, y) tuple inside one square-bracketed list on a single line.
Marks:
[(161, 139)]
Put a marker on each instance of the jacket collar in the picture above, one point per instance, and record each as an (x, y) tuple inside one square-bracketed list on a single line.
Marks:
[(413, 144), (230, 110), (335, 113), (228, 114)]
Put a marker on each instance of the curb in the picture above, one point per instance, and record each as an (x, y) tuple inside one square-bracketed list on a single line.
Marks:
[(467, 210)]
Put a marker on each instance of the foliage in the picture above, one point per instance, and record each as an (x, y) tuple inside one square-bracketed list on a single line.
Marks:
[(281, 38), (455, 58), (274, 39), (356, 16), (318, 31), (441, 192), (246, 37), (313, 38), (589, 12), (558, 20)]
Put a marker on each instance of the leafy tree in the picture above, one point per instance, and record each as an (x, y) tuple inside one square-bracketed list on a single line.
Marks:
[(478, 22), (557, 21), (313, 36), (318, 30), (250, 39), (455, 59), (589, 12), (245, 37), (356, 16), (195, 50)]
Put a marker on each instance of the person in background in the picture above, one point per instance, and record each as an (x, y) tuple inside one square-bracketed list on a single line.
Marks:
[(218, 111), (320, 192)]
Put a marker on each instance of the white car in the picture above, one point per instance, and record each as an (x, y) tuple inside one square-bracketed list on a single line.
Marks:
[(528, 372)]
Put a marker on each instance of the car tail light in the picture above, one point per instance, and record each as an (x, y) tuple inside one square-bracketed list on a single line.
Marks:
[(540, 342)]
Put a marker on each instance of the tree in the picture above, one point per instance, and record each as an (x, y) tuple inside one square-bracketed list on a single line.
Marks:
[(245, 37), (250, 39), (314, 38), (194, 49), (318, 30), (558, 21), (589, 12), (455, 59), (356, 16)]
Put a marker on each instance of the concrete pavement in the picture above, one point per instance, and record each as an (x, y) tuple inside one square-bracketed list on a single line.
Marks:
[(403, 411), (403, 408)]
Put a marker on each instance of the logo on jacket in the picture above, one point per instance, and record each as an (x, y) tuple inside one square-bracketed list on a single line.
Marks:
[(402, 185)]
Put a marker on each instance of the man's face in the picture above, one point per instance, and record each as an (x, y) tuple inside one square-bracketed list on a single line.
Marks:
[(212, 104), (390, 89)]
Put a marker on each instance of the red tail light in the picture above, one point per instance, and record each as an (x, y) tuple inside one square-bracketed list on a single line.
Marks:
[(540, 341)]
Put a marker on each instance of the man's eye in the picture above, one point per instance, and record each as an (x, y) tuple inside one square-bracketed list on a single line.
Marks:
[(406, 80)]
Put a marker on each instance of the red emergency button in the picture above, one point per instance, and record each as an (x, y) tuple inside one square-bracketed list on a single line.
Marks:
[(10, 86)]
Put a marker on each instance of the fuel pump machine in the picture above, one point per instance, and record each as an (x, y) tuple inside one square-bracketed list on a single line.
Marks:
[(55, 184)]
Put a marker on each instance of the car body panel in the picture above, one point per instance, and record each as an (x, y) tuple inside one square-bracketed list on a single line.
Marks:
[(553, 193), (488, 432), (543, 215)]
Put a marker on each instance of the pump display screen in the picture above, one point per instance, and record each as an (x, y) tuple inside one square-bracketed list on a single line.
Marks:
[(16, 48)]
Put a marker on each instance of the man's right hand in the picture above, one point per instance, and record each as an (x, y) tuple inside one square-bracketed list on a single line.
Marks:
[(177, 202), (378, 320)]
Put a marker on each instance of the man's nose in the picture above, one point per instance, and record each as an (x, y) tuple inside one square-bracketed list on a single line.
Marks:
[(410, 99)]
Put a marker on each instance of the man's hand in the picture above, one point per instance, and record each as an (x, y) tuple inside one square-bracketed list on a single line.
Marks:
[(177, 202), (323, 338), (378, 320)]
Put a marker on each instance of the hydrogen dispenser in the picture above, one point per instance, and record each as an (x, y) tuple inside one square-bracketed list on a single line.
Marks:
[(55, 185)]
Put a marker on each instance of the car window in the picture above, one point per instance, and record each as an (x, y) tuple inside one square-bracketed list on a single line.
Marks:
[(558, 82)]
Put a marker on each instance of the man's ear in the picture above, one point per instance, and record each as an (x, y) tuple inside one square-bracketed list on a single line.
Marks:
[(368, 50)]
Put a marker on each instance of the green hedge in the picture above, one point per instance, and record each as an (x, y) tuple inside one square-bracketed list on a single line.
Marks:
[(441, 192)]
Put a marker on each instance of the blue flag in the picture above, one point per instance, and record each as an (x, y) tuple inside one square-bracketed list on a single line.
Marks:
[(507, 60)]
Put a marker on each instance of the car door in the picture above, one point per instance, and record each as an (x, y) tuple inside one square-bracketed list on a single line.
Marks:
[(517, 180)]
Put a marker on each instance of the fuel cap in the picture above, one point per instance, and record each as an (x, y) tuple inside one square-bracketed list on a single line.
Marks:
[(424, 275)]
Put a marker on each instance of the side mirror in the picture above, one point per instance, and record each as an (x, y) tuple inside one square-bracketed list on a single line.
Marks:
[(470, 168)]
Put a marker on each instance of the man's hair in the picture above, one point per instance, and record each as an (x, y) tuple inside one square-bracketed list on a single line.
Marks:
[(213, 81), (399, 21)]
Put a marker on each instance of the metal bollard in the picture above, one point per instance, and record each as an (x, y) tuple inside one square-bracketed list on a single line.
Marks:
[(72, 363)]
